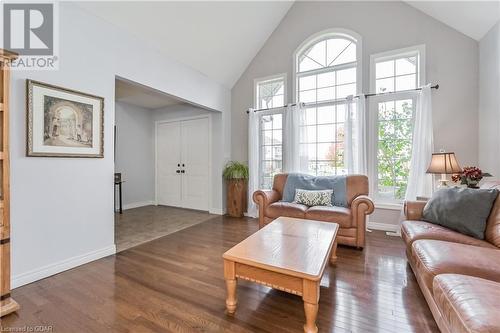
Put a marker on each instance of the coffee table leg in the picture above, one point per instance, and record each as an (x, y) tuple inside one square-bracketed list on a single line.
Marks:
[(333, 256), (230, 277), (310, 296), (311, 311)]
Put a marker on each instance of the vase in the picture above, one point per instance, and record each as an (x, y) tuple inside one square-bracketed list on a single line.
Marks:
[(472, 183)]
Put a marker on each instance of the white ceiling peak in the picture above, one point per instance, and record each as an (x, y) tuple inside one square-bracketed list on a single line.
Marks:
[(472, 18), (217, 38)]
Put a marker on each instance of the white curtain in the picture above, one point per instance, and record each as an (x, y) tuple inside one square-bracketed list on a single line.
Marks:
[(355, 151), (253, 160), (295, 157), (420, 183)]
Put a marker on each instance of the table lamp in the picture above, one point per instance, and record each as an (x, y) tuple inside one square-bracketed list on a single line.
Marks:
[(445, 164)]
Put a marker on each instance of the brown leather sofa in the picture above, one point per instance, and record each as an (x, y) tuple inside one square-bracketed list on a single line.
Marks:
[(352, 220), (458, 275)]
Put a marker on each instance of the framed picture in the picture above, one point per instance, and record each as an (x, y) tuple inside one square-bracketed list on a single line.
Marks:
[(63, 122)]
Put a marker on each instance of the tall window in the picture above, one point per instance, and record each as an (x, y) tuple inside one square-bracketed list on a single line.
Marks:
[(396, 73), (326, 73), (270, 93)]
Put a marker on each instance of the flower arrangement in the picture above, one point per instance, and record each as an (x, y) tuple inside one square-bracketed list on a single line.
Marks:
[(470, 176)]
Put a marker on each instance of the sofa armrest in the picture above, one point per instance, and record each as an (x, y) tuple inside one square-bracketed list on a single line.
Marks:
[(264, 198), (414, 209), (361, 206), (364, 203)]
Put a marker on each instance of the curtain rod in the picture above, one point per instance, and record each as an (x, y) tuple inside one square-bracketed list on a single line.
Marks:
[(395, 92), (436, 86)]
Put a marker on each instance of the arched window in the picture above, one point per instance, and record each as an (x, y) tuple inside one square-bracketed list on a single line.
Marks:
[(327, 70)]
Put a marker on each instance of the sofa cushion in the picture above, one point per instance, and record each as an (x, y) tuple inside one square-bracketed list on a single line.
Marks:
[(314, 197), (433, 257), (339, 215), (461, 209), (468, 304), (288, 209), (414, 230)]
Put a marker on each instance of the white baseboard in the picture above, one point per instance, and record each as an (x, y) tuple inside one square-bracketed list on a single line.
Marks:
[(138, 204), (61, 266), (383, 226), (217, 211)]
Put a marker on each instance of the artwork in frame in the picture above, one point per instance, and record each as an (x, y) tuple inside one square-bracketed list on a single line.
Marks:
[(63, 122)]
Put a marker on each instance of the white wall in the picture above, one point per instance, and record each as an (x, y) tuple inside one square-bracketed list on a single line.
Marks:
[(134, 154), (451, 61), (385, 219), (451, 58), (183, 111), (62, 208), (489, 102)]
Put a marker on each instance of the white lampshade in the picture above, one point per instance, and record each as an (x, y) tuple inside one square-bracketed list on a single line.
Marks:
[(444, 163)]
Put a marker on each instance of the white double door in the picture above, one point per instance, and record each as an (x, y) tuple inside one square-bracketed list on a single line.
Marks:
[(182, 163)]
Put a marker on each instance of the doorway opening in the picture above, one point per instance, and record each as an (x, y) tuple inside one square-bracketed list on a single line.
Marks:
[(163, 164)]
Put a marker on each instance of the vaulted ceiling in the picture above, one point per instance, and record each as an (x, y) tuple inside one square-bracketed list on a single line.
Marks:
[(220, 38), (472, 18)]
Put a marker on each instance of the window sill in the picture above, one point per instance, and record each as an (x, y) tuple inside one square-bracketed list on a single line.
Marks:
[(388, 205)]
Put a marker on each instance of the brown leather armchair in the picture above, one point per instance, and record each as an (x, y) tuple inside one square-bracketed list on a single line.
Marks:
[(351, 219)]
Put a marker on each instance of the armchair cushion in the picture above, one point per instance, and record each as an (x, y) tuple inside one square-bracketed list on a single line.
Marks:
[(340, 215), (289, 209)]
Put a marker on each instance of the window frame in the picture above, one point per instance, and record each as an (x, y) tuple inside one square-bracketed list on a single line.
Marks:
[(309, 43), (318, 37), (274, 110), (267, 79), (419, 51), (317, 142)]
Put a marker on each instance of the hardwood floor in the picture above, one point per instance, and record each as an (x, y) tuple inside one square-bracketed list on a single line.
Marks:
[(175, 284)]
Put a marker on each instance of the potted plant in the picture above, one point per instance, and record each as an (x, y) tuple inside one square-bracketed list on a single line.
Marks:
[(236, 176)]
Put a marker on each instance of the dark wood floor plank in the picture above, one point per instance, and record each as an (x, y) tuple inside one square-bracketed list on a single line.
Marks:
[(175, 284)]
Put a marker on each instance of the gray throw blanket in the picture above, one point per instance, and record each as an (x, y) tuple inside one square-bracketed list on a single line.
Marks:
[(308, 182)]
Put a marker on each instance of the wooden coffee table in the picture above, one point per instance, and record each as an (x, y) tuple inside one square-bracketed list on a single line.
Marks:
[(288, 254)]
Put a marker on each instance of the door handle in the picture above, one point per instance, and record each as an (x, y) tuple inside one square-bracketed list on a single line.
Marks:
[(178, 171), (183, 171)]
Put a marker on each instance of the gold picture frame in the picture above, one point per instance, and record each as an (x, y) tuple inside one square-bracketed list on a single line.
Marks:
[(62, 122)]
